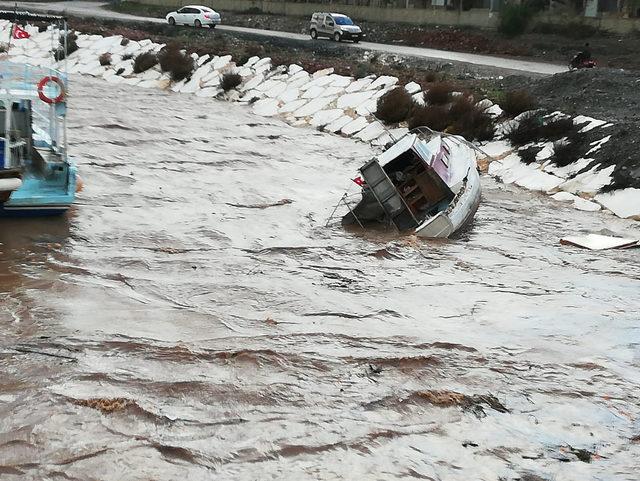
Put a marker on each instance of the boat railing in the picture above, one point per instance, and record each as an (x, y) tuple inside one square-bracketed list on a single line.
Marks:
[(19, 83), (21, 80)]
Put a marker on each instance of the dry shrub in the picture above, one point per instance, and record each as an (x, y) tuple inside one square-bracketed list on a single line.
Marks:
[(473, 125), (558, 128), (430, 76), (461, 117), (436, 117), (534, 128), (394, 106), (230, 81), (177, 63), (462, 105), (127, 56), (528, 155), (528, 129), (124, 42), (144, 62), (72, 45), (439, 93), (362, 70), (256, 50), (105, 59), (568, 150), (516, 102)]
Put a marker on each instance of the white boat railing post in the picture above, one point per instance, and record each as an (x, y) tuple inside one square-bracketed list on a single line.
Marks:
[(66, 92), (7, 137)]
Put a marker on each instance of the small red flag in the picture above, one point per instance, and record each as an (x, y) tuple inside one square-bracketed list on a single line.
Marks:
[(19, 33), (359, 181)]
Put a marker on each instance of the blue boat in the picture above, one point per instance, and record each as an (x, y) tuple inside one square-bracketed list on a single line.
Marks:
[(37, 178)]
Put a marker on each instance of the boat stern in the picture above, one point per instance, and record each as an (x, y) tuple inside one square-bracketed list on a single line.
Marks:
[(43, 195)]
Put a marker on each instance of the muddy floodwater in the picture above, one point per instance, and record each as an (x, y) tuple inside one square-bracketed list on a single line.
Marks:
[(178, 325)]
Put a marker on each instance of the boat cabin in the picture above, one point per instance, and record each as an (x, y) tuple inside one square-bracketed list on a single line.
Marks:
[(406, 184), (418, 173)]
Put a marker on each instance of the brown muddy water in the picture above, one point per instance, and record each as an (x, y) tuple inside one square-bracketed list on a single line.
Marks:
[(169, 329)]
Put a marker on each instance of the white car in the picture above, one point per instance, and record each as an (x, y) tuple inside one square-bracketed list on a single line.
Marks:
[(195, 15)]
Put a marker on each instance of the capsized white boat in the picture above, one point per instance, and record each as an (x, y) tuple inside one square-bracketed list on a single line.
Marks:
[(427, 182)]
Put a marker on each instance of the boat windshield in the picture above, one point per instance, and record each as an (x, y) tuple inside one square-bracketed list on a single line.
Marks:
[(343, 20)]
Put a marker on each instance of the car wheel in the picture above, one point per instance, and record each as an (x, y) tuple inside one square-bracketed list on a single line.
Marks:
[(197, 23), (172, 21), (356, 40), (213, 25), (314, 35), (337, 37)]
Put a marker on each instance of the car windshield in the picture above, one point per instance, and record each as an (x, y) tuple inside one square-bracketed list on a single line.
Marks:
[(343, 20)]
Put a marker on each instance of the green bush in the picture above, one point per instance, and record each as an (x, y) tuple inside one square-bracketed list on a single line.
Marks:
[(514, 19)]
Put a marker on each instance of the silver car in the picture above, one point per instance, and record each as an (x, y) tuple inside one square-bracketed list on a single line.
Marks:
[(335, 26)]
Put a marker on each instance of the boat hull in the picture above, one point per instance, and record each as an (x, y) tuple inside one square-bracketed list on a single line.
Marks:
[(49, 194), (427, 183), (460, 212), (33, 211)]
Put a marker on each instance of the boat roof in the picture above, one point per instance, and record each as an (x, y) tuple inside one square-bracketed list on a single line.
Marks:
[(397, 149), (13, 15)]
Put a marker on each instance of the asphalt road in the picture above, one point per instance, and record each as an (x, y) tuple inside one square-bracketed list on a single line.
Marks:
[(94, 9)]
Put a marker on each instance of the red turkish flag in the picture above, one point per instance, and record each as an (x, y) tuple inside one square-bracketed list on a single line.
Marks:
[(19, 33), (359, 181)]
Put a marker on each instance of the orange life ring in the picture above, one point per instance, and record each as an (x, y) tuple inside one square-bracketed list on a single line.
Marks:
[(43, 96)]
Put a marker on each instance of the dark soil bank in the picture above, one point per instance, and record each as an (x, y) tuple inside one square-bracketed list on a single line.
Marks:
[(607, 94)]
